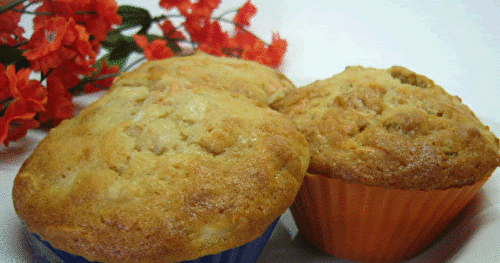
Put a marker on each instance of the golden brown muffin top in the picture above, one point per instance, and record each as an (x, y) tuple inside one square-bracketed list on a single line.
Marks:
[(161, 176), (249, 78), (391, 128)]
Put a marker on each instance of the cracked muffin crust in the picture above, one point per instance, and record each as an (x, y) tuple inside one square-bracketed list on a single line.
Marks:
[(156, 175), (391, 128), (249, 78)]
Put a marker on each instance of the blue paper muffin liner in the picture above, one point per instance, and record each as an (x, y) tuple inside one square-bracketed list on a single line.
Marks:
[(44, 252)]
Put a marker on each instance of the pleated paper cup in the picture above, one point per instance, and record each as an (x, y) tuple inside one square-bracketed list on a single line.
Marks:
[(247, 253), (374, 224)]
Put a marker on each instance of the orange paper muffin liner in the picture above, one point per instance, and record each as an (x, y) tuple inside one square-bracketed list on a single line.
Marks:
[(374, 224)]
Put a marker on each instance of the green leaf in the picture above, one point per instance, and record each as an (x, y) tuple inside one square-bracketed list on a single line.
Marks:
[(10, 55), (115, 39), (112, 39), (111, 62), (123, 49), (78, 89), (134, 16)]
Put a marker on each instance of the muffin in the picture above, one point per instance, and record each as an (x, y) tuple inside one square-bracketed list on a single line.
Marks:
[(44, 252), (249, 78), (394, 158), (152, 175)]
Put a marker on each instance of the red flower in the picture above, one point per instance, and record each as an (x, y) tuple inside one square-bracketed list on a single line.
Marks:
[(25, 99), (180, 4), (103, 14), (276, 51), (59, 105), (156, 50), (4, 89), (204, 8), (198, 19), (62, 83), (252, 48), (200, 8), (215, 40), (71, 75), (22, 88), (14, 127), (55, 42), (54, 8), (195, 26), (10, 31), (244, 39), (170, 31), (245, 13), (256, 52), (100, 84), (96, 16)]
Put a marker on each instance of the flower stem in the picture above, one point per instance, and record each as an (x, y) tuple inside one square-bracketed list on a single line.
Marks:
[(44, 76), (226, 13), (5, 100), (3, 108), (24, 11), (240, 27), (159, 18), (85, 13), (131, 65), (20, 44), (29, 4), (11, 5), (105, 76)]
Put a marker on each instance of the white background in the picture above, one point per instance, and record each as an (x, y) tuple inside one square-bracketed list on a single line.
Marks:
[(455, 43)]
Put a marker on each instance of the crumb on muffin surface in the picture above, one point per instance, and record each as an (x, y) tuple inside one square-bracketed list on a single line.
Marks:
[(391, 128)]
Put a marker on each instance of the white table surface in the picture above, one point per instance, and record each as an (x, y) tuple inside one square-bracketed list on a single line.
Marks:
[(455, 43)]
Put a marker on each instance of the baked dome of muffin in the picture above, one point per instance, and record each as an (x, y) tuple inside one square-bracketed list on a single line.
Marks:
[(249, 78), (391, 128), (161, 175)]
